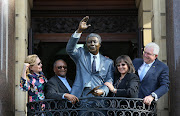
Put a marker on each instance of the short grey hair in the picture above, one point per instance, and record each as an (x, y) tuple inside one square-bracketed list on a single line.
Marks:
[(94, 35), (154, 46)]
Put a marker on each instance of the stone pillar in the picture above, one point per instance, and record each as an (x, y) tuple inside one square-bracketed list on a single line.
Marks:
[(7, 59), (22, 25), (159, 37), (173, 53)]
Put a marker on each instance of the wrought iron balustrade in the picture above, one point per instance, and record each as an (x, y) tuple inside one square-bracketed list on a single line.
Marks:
[(101, 106)]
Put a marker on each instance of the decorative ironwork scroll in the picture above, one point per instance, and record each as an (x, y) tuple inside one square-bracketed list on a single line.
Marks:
[(107, 106)]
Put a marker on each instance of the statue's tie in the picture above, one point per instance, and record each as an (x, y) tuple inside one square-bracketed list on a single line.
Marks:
[(94, 64)]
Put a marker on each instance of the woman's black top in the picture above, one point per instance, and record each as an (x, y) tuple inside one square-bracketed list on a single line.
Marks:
[(128, 86)]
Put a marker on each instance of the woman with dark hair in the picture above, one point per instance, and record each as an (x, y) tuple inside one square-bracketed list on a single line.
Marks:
[(33, 79), (128, 83)]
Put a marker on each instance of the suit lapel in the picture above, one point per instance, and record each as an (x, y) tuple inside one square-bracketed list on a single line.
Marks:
[(87, 62), (151, 70), (70, 82), (61, 84), (138, 65), (102, 59)]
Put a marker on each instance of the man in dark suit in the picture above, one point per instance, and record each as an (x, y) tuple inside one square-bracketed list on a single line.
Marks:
[(92, 69), (153, 74), (58, 86)]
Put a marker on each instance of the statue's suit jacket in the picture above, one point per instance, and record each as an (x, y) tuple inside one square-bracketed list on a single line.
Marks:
[(156, 79), (55, 88), (84, 74)]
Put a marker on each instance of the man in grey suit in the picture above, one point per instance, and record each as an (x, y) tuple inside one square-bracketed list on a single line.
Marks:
[(153, 74), (92, 69), (58, 86)]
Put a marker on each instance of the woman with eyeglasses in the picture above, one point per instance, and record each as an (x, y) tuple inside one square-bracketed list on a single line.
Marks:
[(128, 82), (33, 79)]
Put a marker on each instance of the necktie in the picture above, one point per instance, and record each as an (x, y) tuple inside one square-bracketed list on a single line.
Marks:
[(143, 72), (94, 64)]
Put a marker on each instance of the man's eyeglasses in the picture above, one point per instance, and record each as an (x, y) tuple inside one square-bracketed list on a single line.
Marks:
[(118, 65), (148, 53), (60, 67)]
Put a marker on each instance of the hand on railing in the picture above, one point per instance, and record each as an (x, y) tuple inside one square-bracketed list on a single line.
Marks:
[(148, 100), (71, 98)]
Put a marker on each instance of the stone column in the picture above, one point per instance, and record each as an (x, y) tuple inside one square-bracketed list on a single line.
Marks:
[(173, 53), (22, 25), (159, 37), (7, 59)]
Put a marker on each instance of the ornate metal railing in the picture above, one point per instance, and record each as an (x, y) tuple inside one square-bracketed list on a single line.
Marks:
[(102, 106)]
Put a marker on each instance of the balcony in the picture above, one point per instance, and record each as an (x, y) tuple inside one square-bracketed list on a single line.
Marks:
[(102, 106)]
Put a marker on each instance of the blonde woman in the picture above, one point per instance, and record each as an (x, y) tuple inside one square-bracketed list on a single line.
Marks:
[(33, 79)]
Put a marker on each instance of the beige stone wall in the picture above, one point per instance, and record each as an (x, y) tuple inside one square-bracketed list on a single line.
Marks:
[(159, 36), (22, 24), (152, 18), (144, 19), (159, 27)]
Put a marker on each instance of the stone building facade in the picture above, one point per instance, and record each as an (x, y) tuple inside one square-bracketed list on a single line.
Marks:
[(158, 21)]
